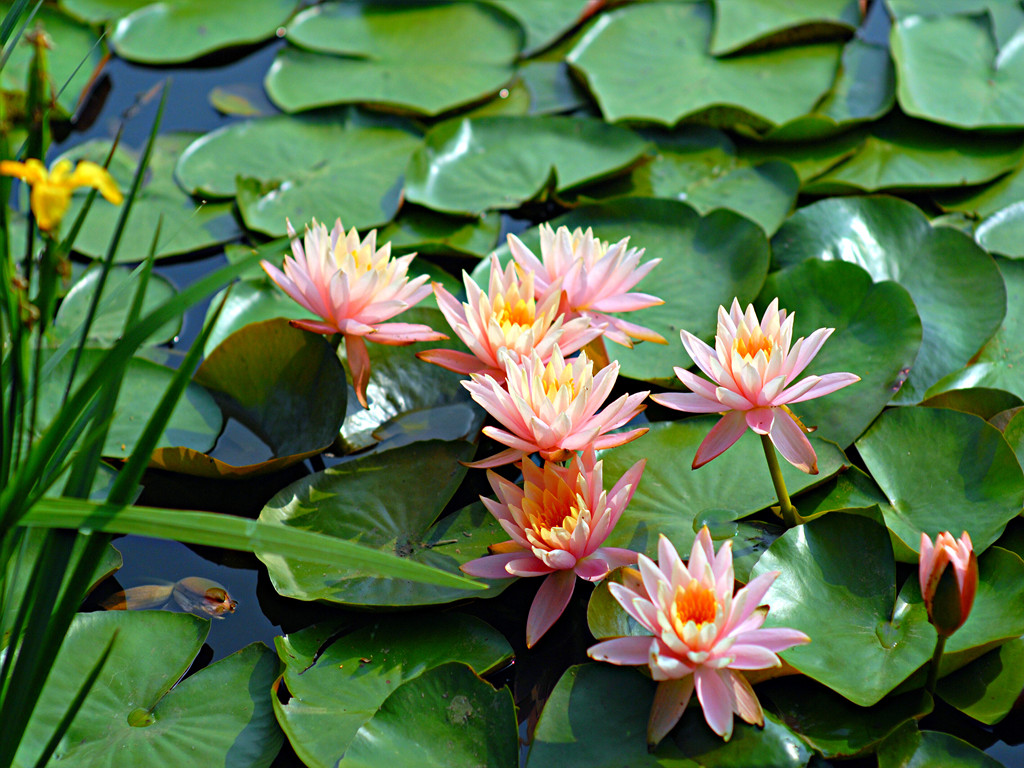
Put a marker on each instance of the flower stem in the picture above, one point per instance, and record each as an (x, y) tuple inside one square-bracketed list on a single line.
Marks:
[(933, 670), (788, 511)]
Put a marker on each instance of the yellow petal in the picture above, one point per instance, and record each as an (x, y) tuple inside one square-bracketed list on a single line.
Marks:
[(89, 174), (31, 170), (49, 204)]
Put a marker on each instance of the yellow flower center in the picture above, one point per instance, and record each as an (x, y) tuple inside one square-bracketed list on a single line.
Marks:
[(553, 381), (514, 312), (749, 347), (553, 513), (695, 602)]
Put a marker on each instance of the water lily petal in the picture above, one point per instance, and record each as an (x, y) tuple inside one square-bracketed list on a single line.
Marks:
[(670, 700), (547, 606)]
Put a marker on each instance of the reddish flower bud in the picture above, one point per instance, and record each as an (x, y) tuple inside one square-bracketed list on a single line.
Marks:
[(948, 592)]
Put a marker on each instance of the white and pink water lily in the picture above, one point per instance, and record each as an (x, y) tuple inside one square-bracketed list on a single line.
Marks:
[(753, 370), (510, 317), (703, 635), (353, 286), (552, 407), (593, 278), (558, 521)]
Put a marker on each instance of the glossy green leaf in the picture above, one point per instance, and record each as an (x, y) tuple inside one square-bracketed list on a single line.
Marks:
[(605, 616), (986, 689), (980, 401), (773, 746), (471, 166), (850, 489), (942, 470), (321, 166), (906, 154), (445, 718), (252, 301), (543, 21), (386, 501), (877, 337), (956, 287), (134, 716), (761, 89), (868, 641), (910, 748), (739, 23), (425, 231), (982, 202), (335, 687), (953, 70), (809, 158), (108, 324), (371, 52), (1003, 231), (186, 225), (551, 87), (1014, 434), (670, 496)]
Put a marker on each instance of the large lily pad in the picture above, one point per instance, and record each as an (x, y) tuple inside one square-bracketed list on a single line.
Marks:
[(910, 748), (741, 22), (425, 231), (388, 501), (318, 166), (373, 52), (953, 70), (252, 301), (986, 689), (942, 470), (544, 21), (134, 716), (762, 89), (337, 686), (670, 496), (956, 287), (877, 337), (868, 641), (185, 224), (473, 165)]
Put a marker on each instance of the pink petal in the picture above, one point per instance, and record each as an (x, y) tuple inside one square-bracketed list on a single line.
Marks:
[(491, 566), (625, 651), (459, 362), (805, 352), (551, 599), (760, 420), (744, 701), (499, 459), (314, 326), (626, 302), (794, 446), (670, 702), (527, 565), (776, 639), (715, 700), (688, 402), (828, 383), (359, 363), (727, 431), (752, 657), (612, 557)]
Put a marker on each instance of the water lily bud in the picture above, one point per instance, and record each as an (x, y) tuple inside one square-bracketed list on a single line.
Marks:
[(948, 591)]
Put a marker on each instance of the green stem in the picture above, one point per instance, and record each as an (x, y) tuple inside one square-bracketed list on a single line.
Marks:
[(788, 511), (933, 670)]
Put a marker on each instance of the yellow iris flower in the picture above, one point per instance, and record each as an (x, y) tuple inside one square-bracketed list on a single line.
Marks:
[(51, 190)]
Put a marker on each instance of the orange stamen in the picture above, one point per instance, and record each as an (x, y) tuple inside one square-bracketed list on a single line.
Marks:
[(696, 602)]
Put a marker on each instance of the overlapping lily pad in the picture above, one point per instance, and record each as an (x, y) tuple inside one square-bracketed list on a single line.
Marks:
[(471, 166), (942, 470), (544, 21), (910, 747), (760, 90), (956, 287), (986, 689), (136, 714), (739, 23), (321, 166), (338, 686), (185, 225), (425, 231), (372, 52)]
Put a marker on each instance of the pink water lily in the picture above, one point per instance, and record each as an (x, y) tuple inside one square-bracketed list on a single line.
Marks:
[(354, 287), (752, 370), (703, 635), (948, 602), (507, 317), (558, 521), (594, 279), (552, 407)]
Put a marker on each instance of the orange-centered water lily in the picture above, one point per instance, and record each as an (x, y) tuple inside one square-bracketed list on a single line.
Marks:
[(552, 407), (702, 635), (752, 369), (508, 317), (558, 521), (51, 190), (948, 572), (353, 286), (593, 278)]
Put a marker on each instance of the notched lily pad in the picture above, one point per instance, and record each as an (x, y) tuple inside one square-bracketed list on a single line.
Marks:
[(739, 23)]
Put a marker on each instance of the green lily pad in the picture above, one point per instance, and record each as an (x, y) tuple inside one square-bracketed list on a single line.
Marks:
[(953, 70), (986, 689), (739, 23), (118, 294), (877, 337), (763, 89), (669, 496), (942, 470), (470, 166), (850, 489), (981, 401), (135, 714), (544, 21), (369, 52), (773, 746), (810, 158), (183, 30), (319, 166), (285, 385), (185, 224), (446, 717), (910, 748), (337, 686), (388, 501), (425, 231), (76, 52), (252, 301), (901, 153), (551, 87), (1003, 231), (195, 422), (1014, 434), (868, 641), (985, 201), (956, 286)]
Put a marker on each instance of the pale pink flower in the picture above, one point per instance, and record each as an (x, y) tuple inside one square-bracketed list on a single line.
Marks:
[(948, 607), (507, 317), (594, 279), (751, 368), (552, 408), (703, 634), (354, 287), (558, 521)]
